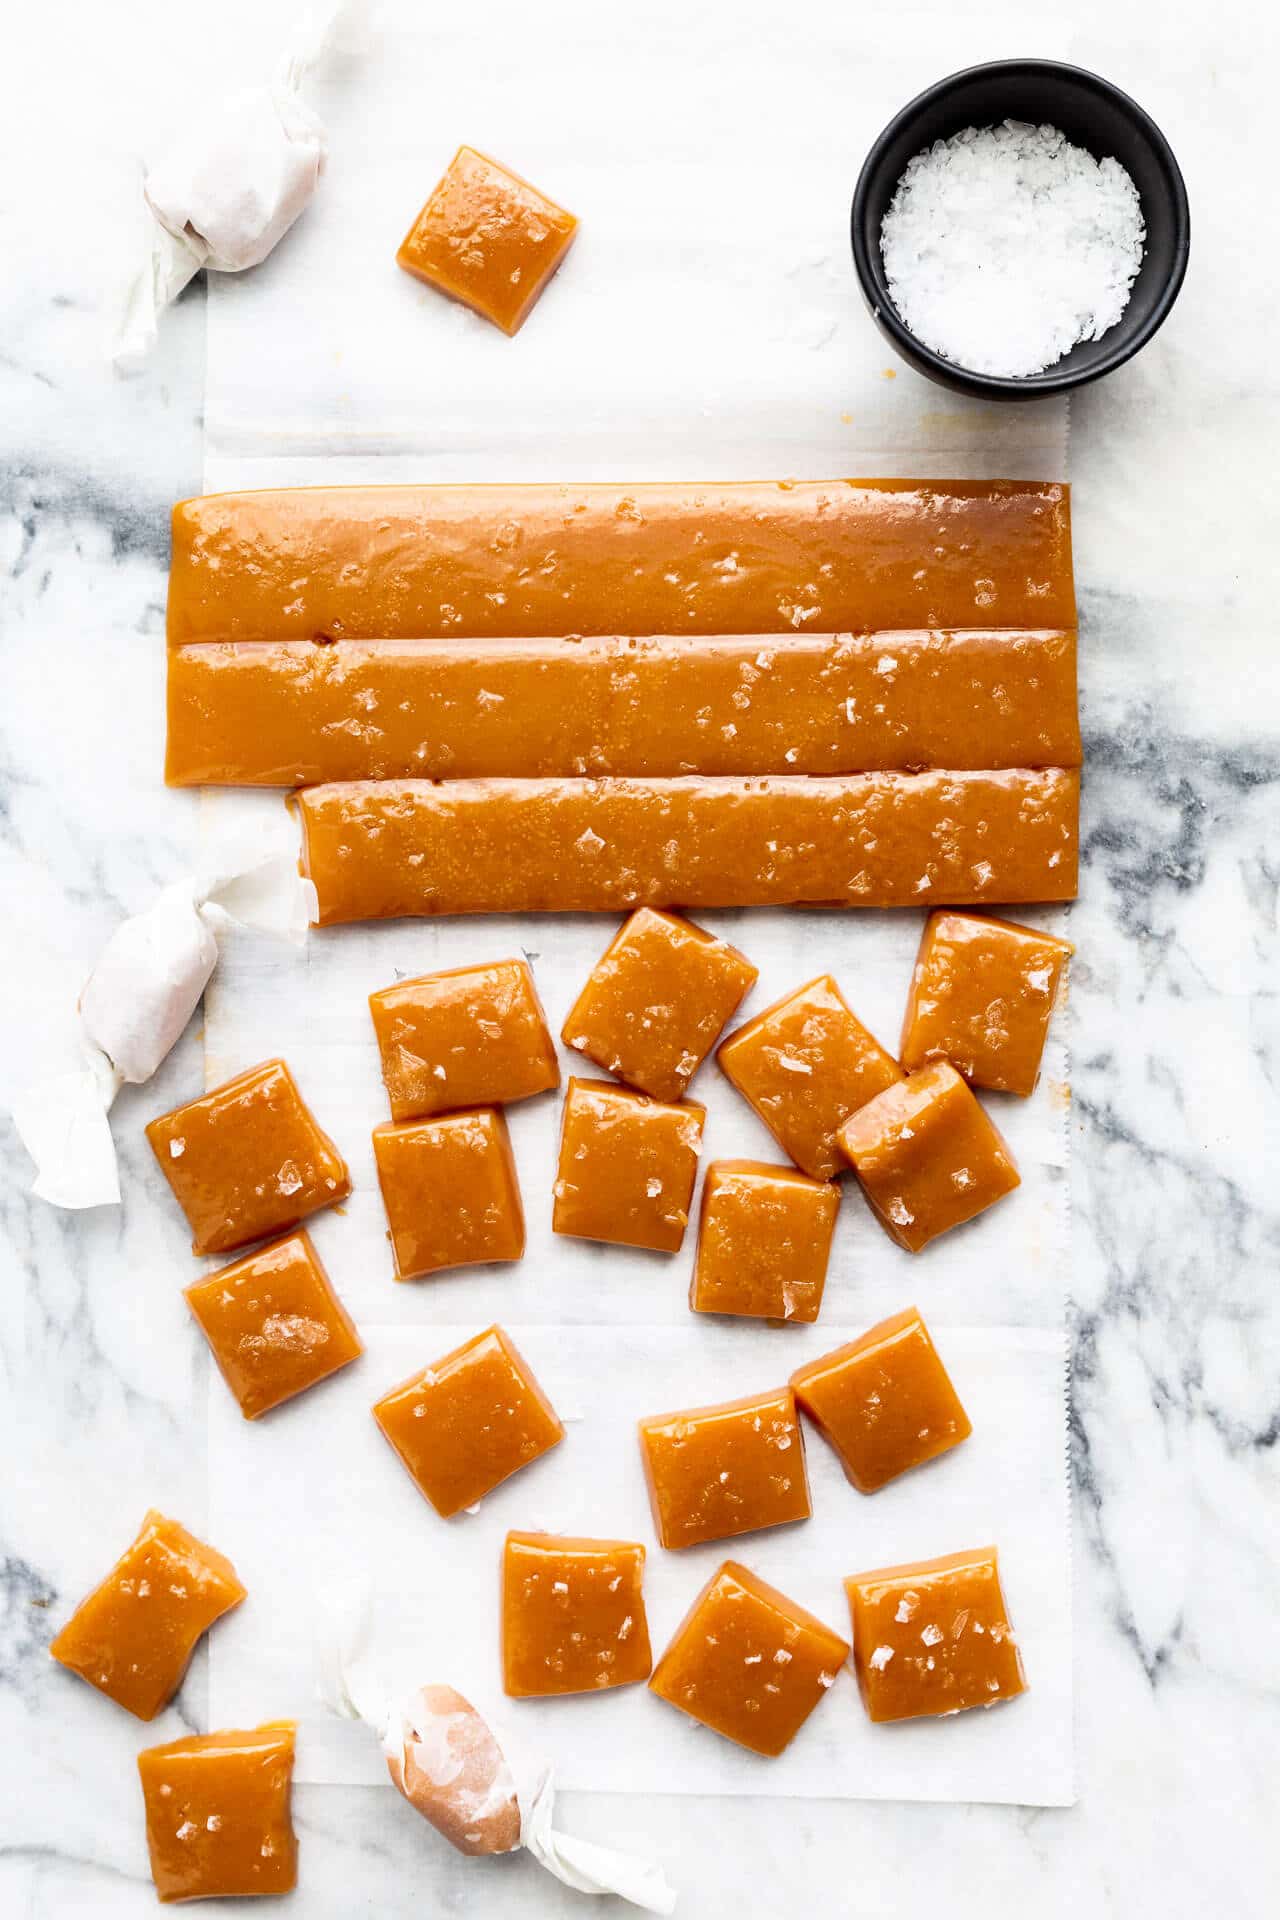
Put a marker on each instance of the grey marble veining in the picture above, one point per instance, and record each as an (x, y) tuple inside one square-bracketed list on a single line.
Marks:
[(1176, 1311)]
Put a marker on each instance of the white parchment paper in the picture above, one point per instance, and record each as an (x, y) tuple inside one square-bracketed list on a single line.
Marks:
[(706, 325)]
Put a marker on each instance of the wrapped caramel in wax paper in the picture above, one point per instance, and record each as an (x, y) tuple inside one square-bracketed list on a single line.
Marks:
[(142, 992), (477, 1781)]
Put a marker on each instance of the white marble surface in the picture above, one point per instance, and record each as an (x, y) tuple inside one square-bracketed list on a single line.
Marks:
[(1176, 1321)]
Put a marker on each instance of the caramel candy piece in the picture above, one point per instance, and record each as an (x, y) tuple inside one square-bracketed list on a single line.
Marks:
[(573, 1618), (376, 850), (763, 1241), (285, 713), (927, 1156), (627, 1167), (469, 1422), (748, 1662), (981, 997), (656, 1002), (218, 1819), (134, 1635), (471, 1037), (717, 1471), (884, 1402), (247, 1159), (933, 1637), (445, 1759), (805, 1064), (489, 239), (748, 557), (451, 1193), (274, 1323)]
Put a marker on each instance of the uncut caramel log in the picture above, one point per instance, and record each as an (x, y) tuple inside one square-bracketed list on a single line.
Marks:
[(834, 556), (293, 713), (377, 850)]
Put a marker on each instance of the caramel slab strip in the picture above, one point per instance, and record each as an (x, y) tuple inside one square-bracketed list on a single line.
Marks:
[(290, 713), (484, 562), (378, 850)]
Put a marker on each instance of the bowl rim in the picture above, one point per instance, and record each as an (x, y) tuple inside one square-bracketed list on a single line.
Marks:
[(869, 264)]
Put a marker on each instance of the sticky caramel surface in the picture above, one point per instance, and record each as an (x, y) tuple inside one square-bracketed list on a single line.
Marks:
[(291, 713), (477, 562), (982, 995), (573, 1618), (884, 1402), (933, 1637), (748, 1662), (470, 1037), (469, 1421), (656, 1001), (274, 1324), (764, 1240), (384, 849), (717, 1471), (218, 1813), (134, 1635), (247, 1159), (927, 1156), (488, 238), (627, 1167), (805, 1064), (451, 1193)]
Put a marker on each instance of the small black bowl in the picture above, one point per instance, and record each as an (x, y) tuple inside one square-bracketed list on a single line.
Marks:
[(1093, 114)]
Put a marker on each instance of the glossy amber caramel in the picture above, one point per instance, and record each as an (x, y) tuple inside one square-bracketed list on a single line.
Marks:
[(627, 1167), (218, 1813), (469, 1421), (488, 238), (274, 1324), (288, 713), (747, 557), (656, 1001), (927, 1156), (885, 1401), (471, 1037), (134, 1635), (805, 1064), (713, 1472), (378, 850), (247, 1159), (573, 1618), (451, 1193), (764, 1240), (982, 994), (933, 1637), (748, 1662)]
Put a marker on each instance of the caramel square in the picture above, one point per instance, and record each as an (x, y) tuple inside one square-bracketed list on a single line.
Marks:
[(982, 995), (718, 1471), (451, 1193), (627, 1167), (471, 1037), (657, 1001), (218, 1813), (927, 1157), (134, 1635), (764, 1240), (469, 1422), (573, 1618), (884, 1402), (933, 1637), (274, 1324), (247, 1160), (489, 239), (749, 1663), (805, 1064)]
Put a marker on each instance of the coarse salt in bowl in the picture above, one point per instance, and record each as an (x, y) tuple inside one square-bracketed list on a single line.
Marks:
[(1020, 229)]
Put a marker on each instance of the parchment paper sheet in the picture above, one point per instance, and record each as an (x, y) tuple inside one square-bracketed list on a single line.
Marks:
[(706, 325)]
